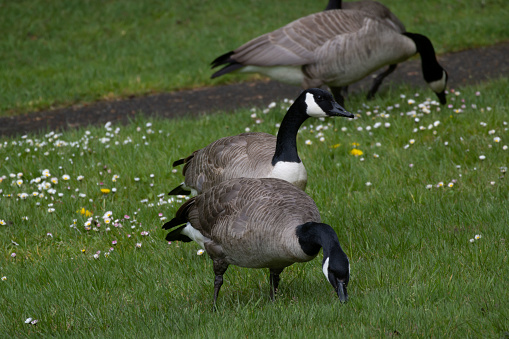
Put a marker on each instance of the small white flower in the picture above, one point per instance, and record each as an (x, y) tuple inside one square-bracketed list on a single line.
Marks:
[(96, 256), (387, 124), (482, 157), (28, 320), (429, 187), (138, 245), (4, 278), (478, 236), (80, 177), (66, 177), (51, 210), (472, 240), (496, 139), (200, 252), (308, 142), (368, 183)]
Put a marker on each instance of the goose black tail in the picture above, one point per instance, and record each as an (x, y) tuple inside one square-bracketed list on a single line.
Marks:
[(179, 190), (178, 162), (225, 59), (222, 59), (180, 216), (175, 235)]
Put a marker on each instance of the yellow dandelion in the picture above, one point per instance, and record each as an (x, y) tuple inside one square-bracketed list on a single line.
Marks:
[(335, 146), (105, 190), (356, 152), (85, 212)]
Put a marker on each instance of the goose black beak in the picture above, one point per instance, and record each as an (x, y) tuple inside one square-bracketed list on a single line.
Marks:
[(341, 291), (337, 110), (442, 98)]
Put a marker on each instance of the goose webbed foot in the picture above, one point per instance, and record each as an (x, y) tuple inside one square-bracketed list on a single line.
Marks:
[(378, 81)]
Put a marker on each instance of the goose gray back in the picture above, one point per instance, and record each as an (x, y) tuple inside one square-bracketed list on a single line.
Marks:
[(260, 223), (333, 48), (258, 155), (381, 12)]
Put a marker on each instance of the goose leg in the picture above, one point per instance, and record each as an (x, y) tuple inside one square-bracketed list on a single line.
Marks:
[(378, 81), (219, 269), (338, 95), (274, 281)]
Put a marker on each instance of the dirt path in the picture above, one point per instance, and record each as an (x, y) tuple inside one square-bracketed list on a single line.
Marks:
[(464, 68)]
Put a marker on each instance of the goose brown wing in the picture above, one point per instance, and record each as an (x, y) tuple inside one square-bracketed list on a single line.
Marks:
[(244, 208), (295, 43), (243, 155)]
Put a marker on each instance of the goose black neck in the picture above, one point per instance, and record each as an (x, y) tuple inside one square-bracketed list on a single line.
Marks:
[(313, 236), (333, 4), (286, 144), (431, 69)]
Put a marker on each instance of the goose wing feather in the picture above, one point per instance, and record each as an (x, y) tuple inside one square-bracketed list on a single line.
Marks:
[(378, 10), (246, 155), (253, 221), (295, 44)]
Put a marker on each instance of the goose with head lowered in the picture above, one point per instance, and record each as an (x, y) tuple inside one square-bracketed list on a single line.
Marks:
[(258, 155), (260, 223), (381, 12), (333, 48)]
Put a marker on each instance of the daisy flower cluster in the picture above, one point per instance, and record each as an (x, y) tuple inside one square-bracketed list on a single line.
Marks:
[(54, 179)]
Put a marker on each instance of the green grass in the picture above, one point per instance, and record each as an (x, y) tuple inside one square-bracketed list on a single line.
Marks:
[(414, 270), (55, 53)]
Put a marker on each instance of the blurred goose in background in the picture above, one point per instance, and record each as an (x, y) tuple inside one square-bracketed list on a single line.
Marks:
[(333, 48), (381, 12), (260, 223), (258, 155)]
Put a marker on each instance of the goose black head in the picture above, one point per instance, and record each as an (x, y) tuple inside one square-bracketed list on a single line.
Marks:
[(320, 103), (336, 268)]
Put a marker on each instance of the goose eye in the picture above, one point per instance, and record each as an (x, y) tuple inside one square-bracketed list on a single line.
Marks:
[(319, 97)]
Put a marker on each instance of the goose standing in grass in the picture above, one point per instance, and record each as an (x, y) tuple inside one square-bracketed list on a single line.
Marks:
[(381, 12), (333, 48), (260, 223), (258, 155)]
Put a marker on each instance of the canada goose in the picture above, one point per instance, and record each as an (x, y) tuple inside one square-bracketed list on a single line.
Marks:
[(260, 223), (258, 155), (333, 48), (381, 12)]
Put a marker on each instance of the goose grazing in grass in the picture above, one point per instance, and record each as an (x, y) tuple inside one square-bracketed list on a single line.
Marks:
[(381, 12), (333, 48), (260, 223), (258, 155)]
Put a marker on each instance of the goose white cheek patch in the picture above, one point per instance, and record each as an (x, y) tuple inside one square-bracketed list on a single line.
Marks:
[(313, 110), (325, 268), (438, 85)]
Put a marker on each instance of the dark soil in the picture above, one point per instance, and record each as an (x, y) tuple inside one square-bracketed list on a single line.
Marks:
[(464, 68)]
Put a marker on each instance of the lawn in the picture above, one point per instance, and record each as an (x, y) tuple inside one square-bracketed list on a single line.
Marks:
[(417, 193), (55, 53)]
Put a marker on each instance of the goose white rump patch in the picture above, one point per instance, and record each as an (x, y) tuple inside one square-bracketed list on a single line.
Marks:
[(194, 234), (313, 109), (292, 172)]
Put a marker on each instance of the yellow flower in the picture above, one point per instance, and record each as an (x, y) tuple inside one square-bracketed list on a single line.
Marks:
[(85, 212), (105, 190), (356, 152), (335, 146), (83, 251), (355, 144)]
